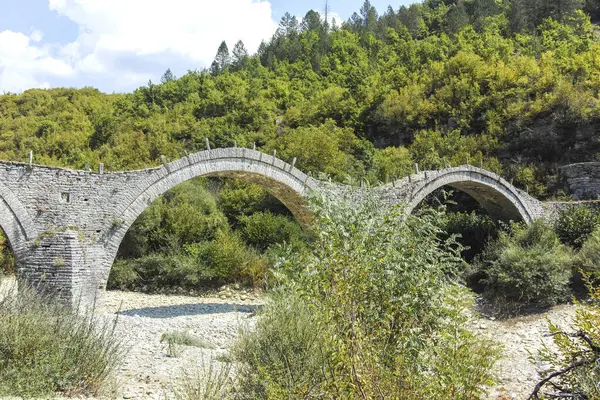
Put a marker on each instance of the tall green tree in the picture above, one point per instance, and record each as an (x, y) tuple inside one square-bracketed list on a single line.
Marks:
[(222, 59), (239, 56)]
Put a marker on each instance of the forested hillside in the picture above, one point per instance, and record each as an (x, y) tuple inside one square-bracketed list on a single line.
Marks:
[(514, 83)]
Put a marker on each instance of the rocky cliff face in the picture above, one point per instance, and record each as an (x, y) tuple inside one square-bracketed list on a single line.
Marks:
[(582, 180)]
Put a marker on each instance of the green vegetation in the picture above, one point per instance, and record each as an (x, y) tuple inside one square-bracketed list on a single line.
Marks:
[(574, 363), (527, 264), (575, 225), (47, 348), (206, 382), (183, 239), (369, 310), (175, 341)]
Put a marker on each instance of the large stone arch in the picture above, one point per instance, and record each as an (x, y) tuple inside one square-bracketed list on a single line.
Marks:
[(288, 184), (501, 199), (16, 223)]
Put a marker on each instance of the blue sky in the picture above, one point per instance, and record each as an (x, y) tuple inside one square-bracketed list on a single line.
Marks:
[(118, 45)]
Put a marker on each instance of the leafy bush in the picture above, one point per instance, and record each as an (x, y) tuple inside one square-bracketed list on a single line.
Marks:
[(370, 310), (574, 360), (185, 214), (222, 260), (283, 355), (588, 258), (264, 229), (527, 264), (575, 224), (48, 348)]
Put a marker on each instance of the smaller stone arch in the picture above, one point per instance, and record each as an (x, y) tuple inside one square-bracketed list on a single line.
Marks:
[(500, 199)]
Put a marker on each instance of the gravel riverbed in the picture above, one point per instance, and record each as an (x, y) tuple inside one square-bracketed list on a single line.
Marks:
[(149, 373)]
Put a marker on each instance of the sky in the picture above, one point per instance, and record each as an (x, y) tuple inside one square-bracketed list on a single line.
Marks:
[(118, 45)]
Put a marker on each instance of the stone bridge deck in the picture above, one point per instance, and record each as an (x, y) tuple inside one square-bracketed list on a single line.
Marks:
[(65, 226)]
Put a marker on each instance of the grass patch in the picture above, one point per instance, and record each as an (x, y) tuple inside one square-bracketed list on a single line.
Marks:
[(47, 348), (175, 341), (209, 381)]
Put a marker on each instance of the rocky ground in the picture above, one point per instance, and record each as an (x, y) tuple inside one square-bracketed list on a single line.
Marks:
[(148, 372)]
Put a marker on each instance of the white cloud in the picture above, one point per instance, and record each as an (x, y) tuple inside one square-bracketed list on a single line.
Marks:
[(125, 42), (23, 64)]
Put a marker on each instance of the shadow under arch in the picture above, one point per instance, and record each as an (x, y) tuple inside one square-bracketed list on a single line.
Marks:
[(286, 183), (498, 197)]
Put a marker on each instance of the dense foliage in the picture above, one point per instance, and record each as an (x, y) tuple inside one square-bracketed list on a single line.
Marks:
[(527, 264), (193, 237), (369, 310)]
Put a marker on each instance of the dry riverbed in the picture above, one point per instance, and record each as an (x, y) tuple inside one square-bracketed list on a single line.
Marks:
[(149, 373)]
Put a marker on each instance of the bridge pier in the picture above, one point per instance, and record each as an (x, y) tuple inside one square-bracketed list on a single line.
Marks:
[(62, 264)]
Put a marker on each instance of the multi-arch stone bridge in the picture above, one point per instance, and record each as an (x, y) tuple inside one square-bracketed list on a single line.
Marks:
[(65, 226)]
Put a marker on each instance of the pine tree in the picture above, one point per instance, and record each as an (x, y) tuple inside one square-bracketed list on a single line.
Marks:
[(412, 18), (240, 55), (518, 16), (457, 18), (222, 60), (167, 76), (369, 16)]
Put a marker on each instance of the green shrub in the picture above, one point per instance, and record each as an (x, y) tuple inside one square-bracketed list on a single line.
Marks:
[(209, 381), (283, 355), (264, 229), (588, 258), (369, 310), (527, 264), (223, 260), (48, 348), (574, 360), (575, 224)]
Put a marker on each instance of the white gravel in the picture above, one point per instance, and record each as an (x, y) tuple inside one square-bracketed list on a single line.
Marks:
[(149, 373)]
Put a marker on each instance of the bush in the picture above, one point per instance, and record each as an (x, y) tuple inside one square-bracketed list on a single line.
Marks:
[(588, 258), (575, 224), (47, 348), (207, 264), (369, 310), (574, 360), (283, 355), (527, 265), (264, 229)]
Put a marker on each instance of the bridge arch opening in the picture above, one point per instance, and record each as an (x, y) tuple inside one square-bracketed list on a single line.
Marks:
[(500, 199), (285, 185), (204, 232)]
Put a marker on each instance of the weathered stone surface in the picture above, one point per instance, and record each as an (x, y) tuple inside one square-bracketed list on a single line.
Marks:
[(65, 226), (582, 180)]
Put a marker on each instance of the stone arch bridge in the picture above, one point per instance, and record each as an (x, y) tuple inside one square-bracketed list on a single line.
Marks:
[(65, 226)]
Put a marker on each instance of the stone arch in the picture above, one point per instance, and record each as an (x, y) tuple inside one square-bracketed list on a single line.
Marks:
[(501, 199), (16, 223), (288, 184)]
